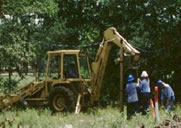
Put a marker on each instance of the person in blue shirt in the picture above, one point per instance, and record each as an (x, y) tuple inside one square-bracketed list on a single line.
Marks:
[(167, 95), (144, 86), (132, 97), (72, 71)]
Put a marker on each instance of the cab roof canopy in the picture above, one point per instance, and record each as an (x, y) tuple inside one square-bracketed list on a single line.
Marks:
[(58, 52)]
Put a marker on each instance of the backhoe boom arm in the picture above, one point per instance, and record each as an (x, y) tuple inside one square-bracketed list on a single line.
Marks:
[(111, 37)]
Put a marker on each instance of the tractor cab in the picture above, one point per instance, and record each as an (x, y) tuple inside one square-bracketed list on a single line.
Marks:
[(68, 74), (70, 65)]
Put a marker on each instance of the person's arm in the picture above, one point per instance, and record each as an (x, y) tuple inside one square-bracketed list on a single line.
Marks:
[(162, 98), (138, 82), (141, 84), (148, 81), (127, 89), (169, 95)]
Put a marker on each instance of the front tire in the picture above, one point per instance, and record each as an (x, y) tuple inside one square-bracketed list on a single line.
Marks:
[(61, 99)]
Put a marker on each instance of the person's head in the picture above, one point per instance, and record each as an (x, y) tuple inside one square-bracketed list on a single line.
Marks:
[(130, 78), (160, 83), (144, 74)]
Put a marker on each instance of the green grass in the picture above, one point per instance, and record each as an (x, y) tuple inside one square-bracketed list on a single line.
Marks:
[(94, 118), (26, 80), (21, 82)]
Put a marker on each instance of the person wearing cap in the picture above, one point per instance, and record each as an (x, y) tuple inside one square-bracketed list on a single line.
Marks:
[(167, 95), (132, 97), (144, 86)]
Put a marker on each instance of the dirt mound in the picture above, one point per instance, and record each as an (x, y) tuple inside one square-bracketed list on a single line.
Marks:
[(175, 123)]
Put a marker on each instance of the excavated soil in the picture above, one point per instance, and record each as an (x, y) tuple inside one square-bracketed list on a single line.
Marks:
[(175, 123)]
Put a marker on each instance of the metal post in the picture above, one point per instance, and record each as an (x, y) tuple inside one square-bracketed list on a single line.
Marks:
[(121, 78), (46, 78), (136, 69), (156, 105)]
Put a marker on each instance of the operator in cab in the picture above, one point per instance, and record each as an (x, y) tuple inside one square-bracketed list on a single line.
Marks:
[(132, 97), (72, 72)]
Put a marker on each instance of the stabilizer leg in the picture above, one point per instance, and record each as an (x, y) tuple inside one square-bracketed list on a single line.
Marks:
[(78, 106)]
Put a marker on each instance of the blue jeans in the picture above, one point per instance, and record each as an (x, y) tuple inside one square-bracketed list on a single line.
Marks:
[(170, 105)]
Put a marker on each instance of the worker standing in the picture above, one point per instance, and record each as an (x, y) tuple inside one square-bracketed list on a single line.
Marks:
[(144, 86), (167, 95), (132, 97)]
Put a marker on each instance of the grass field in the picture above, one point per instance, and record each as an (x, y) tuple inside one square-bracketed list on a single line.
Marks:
[(93, 118)]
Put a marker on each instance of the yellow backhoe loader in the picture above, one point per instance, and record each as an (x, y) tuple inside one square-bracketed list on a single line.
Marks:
[(71, 81)]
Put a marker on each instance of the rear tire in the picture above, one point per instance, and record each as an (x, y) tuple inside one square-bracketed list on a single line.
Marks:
[(61, 99)]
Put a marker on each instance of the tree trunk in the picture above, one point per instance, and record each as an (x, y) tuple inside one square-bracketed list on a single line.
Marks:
[(10, 81)]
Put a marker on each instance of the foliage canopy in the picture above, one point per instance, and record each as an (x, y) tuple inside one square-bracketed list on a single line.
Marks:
[(29, 28)]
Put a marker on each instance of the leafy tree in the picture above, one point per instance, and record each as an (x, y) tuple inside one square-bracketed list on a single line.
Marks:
[(19, 21), (34, 27)]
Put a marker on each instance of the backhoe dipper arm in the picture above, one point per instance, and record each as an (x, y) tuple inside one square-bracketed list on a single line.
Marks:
[(111, 36)]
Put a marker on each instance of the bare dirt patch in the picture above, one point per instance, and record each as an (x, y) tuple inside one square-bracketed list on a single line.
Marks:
[(175, 123)]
